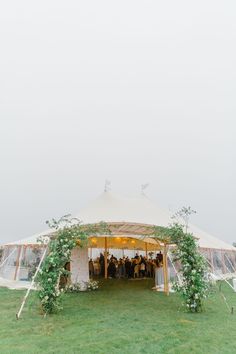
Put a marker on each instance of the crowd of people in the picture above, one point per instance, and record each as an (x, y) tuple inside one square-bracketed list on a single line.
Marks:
[(137, 267)]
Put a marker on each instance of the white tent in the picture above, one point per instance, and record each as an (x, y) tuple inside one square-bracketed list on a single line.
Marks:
[(131, 216), (110, 207)]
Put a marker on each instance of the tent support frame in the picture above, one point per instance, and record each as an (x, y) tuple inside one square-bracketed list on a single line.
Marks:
[(31, 285)]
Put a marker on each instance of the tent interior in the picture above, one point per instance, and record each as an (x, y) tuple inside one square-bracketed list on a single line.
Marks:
[(20, 260)]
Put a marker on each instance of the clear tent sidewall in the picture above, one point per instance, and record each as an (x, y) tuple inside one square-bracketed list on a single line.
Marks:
[(19, 262)]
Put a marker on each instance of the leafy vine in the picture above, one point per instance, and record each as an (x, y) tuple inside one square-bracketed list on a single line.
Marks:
[(193, 285), (62, 242)]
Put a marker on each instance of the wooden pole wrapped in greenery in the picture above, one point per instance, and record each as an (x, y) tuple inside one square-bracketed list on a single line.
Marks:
[(193, 284), (64, 240)]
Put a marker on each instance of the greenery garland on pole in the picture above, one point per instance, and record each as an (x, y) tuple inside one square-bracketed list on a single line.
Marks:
[(64, 239), (193, 285)]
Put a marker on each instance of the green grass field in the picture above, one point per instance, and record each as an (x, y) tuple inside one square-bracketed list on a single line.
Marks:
[(121, 317)]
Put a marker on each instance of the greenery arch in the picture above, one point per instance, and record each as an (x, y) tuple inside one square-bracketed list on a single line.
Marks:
[(193, 285)]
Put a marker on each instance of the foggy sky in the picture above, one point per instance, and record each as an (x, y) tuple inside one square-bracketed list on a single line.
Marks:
[(130, 91)]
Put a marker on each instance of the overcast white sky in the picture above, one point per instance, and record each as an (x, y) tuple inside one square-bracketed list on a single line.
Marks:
[(131, 91)]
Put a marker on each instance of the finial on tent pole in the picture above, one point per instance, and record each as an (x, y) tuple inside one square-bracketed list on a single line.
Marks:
[(107, 185), (143, 187)]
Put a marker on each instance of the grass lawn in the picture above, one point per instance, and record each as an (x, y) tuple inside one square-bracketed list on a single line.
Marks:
[(123, 316)]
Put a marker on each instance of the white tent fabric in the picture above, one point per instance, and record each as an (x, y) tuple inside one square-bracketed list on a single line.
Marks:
[(110, 207), (32, 240)]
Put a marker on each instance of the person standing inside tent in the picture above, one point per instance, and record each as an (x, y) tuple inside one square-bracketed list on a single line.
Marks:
[(128, 268), (91, 268), (159, 276), (112, 269), (102, 264), (142, 267), (159, 257), (121, 268)]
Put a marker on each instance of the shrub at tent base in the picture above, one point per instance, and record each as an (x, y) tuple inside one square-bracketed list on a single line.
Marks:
[(193, 285)]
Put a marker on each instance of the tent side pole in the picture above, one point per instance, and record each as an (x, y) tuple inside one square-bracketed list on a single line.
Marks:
[(165, 271), (105, 258), (17, 262)]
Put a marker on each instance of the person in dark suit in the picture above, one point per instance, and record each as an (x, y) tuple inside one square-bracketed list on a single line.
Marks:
[(112, 269), (102, 264), (128, 268)]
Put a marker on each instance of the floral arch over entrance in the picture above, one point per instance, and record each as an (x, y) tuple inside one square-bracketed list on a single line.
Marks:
[(193, 286)]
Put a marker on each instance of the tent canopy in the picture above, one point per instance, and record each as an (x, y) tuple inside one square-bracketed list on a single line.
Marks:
[(132, 217), (110, 207)]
